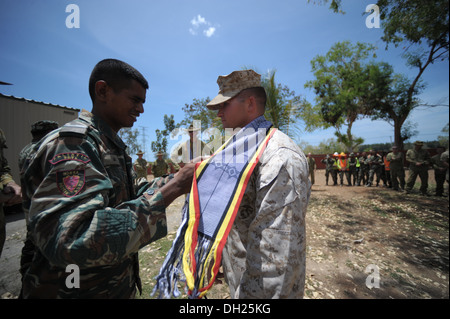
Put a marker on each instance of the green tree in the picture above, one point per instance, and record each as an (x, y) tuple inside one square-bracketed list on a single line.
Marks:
[(443, 139), (160, 145), (422, 27), (283, 106), (197, 111), (130, 138), (343, 84)]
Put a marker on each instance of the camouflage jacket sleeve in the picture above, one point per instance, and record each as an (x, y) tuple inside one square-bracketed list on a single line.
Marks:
[(5, 170), (75, 207)]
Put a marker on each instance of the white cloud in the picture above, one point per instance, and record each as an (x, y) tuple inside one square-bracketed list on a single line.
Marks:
[(209, 33), (198, 20), (199, 24)]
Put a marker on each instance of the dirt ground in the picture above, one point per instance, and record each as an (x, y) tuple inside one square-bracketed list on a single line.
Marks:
[(374, 242)]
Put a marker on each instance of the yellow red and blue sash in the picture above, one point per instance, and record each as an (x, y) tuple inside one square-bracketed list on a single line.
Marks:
[(218, 186)]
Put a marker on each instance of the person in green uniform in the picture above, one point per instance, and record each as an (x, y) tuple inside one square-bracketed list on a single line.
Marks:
[(397, 169), (160, 167), (419, 160), (439, 171), (10, 192), (140, 166)]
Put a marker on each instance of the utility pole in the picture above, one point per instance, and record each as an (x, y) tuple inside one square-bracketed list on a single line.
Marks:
[(144, 141)]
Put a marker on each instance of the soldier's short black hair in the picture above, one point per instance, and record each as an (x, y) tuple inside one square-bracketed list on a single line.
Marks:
[(258, 92), (117, 74)]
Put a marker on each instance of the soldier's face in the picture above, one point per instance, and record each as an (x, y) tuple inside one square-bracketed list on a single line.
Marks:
[(125, 105), (233, 113)]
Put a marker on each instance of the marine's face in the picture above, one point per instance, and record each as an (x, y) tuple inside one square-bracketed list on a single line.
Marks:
[(125, 106), (233, 113)]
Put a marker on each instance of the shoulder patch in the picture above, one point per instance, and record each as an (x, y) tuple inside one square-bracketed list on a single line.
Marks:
[(70, 183), (61, 157)]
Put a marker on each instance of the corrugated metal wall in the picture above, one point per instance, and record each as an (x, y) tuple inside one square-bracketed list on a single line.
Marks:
[(16, 117)]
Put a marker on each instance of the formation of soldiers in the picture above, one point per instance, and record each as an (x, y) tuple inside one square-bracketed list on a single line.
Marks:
[(371, 168)]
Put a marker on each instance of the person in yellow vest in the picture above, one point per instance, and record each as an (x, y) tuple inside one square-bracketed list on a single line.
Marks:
[(343, 169)]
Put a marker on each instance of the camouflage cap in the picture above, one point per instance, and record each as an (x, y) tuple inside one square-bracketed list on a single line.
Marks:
[(140, 153), (420, 143), (43, 126), (232, 84)]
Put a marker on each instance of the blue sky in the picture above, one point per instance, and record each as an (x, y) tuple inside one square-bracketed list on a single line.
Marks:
[(182, 46)]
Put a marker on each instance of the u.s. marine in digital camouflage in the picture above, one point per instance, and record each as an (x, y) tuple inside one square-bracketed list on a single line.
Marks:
[(84, 211)]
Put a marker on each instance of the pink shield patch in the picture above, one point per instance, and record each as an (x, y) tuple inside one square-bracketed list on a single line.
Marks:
[(70, 183)]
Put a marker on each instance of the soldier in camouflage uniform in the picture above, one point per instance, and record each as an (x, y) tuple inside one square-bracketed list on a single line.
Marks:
[(397, 170), (140, 166), (418, 159), (374, 160), (265, 254), (79, 200), (10, 192), (363, 174), (353, 168), (439, 171), (328, 167), (312, 167), (160, 166)]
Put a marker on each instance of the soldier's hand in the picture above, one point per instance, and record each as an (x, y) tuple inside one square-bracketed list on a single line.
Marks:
[(181, 182), (13, 191)]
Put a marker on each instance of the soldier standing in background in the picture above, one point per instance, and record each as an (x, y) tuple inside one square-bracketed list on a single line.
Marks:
[(160, 167), (374, 160), (191, 148), (334, 171), (445, 162), (363, 174), (312, 168), (418, 159), (439, 171), (328, 161), (140, 166), (397, 170), (10, 192), (353, 168), (38, 130)]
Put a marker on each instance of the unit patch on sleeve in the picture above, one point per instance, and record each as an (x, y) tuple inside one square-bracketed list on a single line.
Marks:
[(79, 157), (70, 183)]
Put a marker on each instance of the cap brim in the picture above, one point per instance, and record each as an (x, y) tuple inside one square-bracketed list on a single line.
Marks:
[(221, 98)]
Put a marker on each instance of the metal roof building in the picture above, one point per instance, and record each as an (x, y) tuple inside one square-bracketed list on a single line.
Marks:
[(16, 117)]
